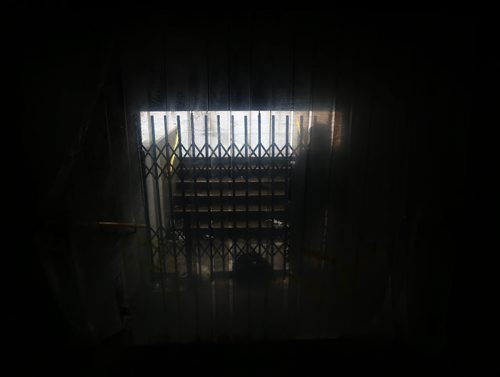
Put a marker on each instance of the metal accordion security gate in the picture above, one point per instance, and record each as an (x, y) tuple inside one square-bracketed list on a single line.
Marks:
[(217, 189)]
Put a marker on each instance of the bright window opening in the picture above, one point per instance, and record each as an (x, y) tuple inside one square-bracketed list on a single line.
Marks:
[(212, 125)]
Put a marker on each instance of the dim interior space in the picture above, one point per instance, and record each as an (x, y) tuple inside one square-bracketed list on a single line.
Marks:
[(255, 189)]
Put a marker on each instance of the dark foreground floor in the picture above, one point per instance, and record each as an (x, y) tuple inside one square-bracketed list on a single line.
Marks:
[(307, 358)]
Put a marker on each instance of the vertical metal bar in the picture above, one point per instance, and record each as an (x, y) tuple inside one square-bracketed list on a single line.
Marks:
[(246, 135), (158, 210), (287, 136), (219, 148), (301, 243), (232, 136), (176, 230), (185, 219), (173, 226), (301, 135), (302, 155), (195, 190), (144, 175), (273, 128), (180, 137), (287, 190), (233, 176), (209, 199), (259, 165), (193, 142), (246, 173), (170, 195), (197, 222)]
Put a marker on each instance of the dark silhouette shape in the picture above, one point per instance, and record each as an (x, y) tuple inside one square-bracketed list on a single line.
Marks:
[(252, 269)]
